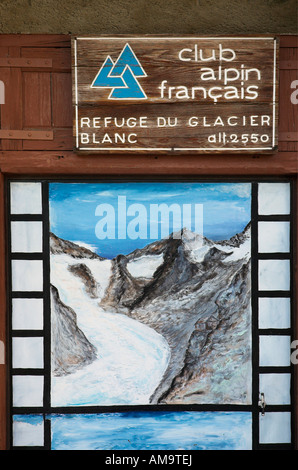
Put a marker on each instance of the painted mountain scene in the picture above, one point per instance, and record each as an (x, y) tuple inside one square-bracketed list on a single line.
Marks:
[(150, 293)]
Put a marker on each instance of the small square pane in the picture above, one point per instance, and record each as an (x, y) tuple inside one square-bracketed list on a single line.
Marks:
[(274, 274), (276, 388), (274, 312), (275, 428), (27, 314), (274, 237), (274, 198), (26, 237), (26, 198), (28, 430), (275, 350), (27, 353), (27, 390), (27, 275)]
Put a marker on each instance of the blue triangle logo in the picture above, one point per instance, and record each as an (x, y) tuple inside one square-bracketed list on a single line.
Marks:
[(132, 89), (128, 58), (103, 78), (121, 76)]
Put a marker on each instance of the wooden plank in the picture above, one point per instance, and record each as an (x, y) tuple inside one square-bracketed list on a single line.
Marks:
[(182, 87), (35, 40), (167, 77), (37, 99), (64, 40), (288, 40), (288, 116), (288, 136), (288, 147), (12, 115), (22, 62), (157, 126), (163, 50), (4, 77), (288, 119), (63, 163), (60, 58), (28, 135), (3, 333), (288, 58), (288, 54), (62, 140), (288, 65), (62, 100), (3, 53)]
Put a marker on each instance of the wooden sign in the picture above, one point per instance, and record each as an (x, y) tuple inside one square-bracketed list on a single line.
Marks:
[(175, 94)]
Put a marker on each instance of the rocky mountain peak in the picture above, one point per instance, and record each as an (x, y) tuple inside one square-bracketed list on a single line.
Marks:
[(61, 246)]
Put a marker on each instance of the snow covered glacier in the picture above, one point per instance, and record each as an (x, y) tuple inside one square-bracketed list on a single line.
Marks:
[(130, 356), (169, 323)]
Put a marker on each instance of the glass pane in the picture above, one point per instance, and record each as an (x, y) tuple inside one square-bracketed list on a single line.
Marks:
[(277, 388), (27, 353), (274, 274), (156, 430), (25, 198), (275, 428), (28, 430), (275, 350), (27, 390), (26, 237), (27, 314), (274, 312), (274, 198), (274, 237), (27, 275)]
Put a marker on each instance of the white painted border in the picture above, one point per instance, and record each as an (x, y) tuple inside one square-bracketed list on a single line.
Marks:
[(187, 149), (176, 38), (139, 149)]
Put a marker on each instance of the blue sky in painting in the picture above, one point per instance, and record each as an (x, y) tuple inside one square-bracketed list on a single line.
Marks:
[(226, 209)]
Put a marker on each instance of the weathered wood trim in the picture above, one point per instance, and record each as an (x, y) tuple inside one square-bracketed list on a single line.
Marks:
[(25, 63), (288, 40), (288, 136), (288, 65), (36, 40), (68, 163), (26, 135)]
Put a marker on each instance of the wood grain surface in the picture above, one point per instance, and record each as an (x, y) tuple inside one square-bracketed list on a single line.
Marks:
[(210, 78)]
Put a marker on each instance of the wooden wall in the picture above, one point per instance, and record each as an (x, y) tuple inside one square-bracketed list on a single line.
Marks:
[(36, 71)]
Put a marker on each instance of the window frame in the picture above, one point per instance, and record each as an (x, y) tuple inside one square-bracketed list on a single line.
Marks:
[(254, 408)]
